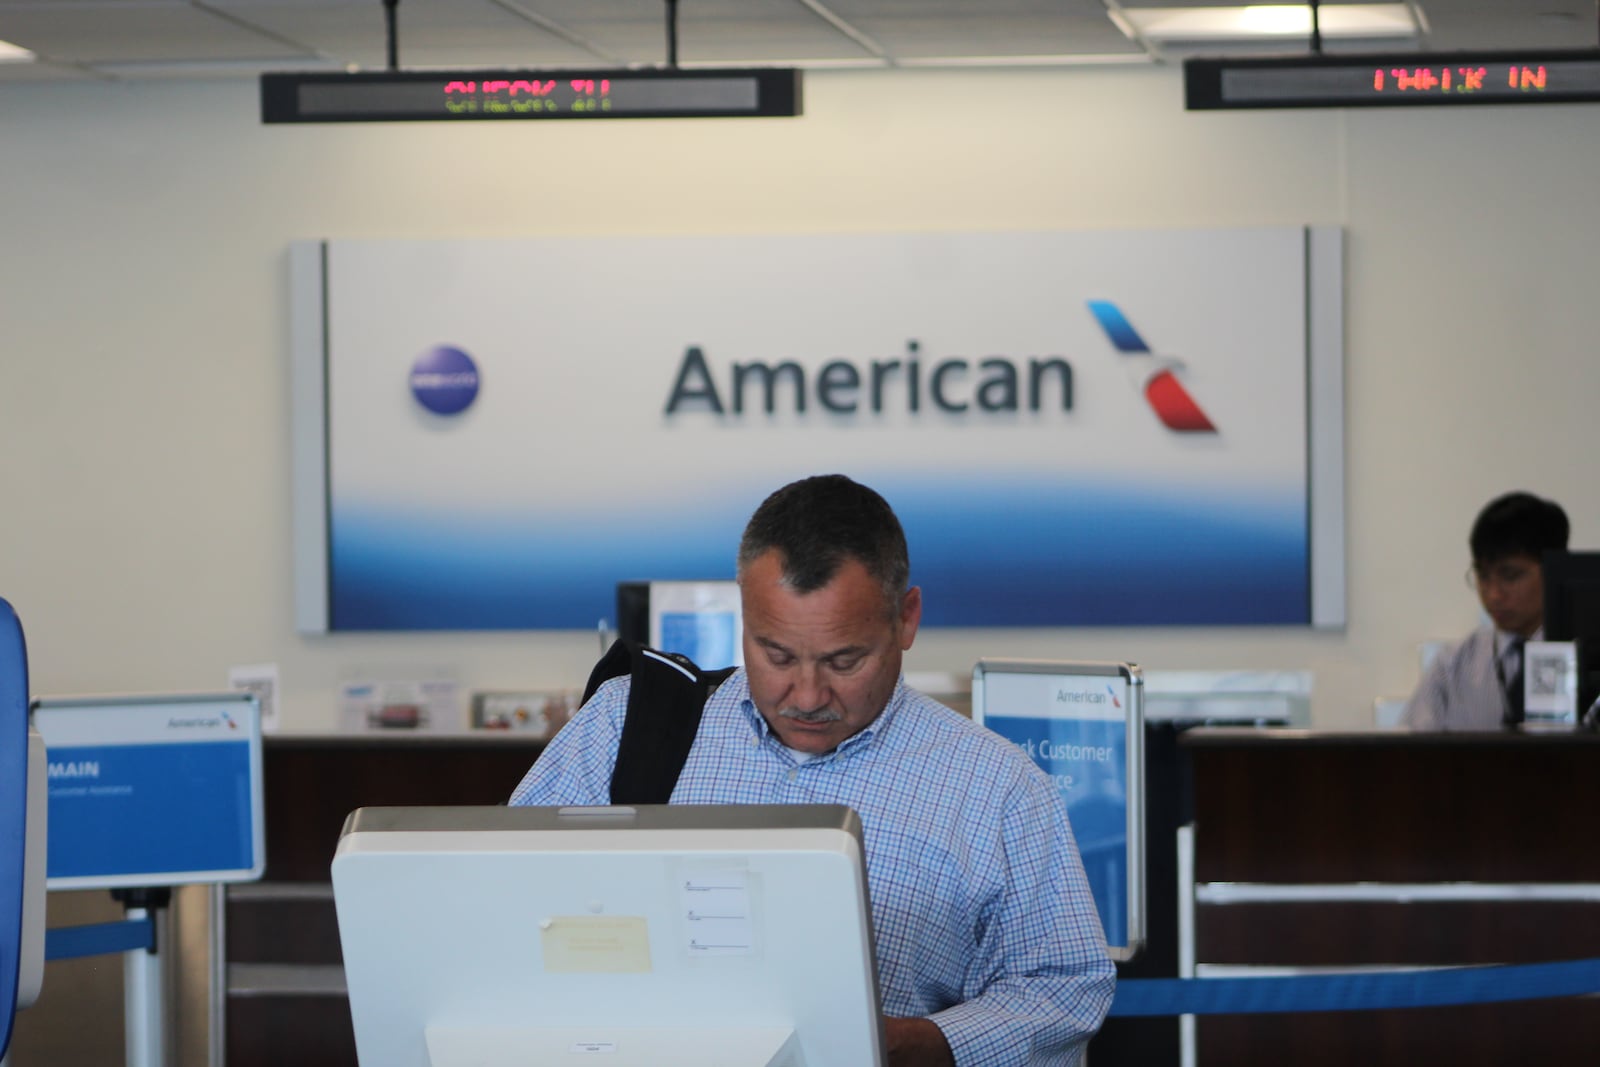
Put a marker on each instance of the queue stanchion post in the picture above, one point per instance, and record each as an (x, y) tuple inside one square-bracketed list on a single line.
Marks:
[(143, 983)]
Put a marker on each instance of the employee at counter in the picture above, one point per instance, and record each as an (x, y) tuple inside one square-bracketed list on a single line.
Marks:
[(1477, 683)]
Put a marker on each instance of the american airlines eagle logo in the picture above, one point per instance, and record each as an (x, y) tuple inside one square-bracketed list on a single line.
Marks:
[(1154, 376)]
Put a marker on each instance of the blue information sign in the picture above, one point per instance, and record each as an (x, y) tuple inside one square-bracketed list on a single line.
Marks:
[(152, 791), (1083, 724)]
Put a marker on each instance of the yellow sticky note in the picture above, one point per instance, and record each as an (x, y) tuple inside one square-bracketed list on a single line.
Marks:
[(596, 944)]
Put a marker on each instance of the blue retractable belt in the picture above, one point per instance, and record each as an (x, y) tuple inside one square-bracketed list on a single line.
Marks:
[(70, 942), (1356, 991)]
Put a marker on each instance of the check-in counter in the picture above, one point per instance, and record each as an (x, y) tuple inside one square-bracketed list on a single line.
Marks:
[(1317, 852), (1310, 851)]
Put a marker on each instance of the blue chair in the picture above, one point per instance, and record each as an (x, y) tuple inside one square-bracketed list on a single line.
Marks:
[(13, 815)]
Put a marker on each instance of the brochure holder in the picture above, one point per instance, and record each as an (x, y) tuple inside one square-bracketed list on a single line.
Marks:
[(1083, 724)]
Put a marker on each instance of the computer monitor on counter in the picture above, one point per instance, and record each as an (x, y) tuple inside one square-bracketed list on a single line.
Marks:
[(703, 620), (1572, 613)]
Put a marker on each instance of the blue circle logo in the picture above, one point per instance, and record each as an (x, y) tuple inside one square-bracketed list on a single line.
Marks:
[(444, 380)]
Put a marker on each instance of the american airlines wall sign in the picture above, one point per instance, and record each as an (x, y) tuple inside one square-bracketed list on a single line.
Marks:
[(1108, 428)]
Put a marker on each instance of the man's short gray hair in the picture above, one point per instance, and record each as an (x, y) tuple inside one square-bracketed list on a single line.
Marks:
[(819, 523)]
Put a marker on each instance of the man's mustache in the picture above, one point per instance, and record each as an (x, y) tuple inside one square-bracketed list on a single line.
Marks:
[(812, 717)]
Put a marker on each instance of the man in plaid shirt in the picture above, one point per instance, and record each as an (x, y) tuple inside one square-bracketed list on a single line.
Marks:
[(989, 948)]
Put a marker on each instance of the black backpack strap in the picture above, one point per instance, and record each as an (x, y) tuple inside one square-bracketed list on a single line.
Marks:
[(664, 704)]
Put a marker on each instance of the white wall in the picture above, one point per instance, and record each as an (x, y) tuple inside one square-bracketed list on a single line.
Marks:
[(144, 455)]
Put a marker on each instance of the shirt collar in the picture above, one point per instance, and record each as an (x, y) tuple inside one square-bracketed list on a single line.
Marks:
[(1503, 639)]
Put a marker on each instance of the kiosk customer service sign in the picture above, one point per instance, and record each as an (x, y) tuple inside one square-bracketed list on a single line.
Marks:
[(1106, 428), (1083, 725)]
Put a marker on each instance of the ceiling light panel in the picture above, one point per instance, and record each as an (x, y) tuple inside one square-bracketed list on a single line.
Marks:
[(1272, 21), (11, 53)]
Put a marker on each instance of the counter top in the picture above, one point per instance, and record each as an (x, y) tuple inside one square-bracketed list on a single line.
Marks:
[(1243, 736)]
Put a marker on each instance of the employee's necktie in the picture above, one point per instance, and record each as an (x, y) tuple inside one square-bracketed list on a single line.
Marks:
[(1513, 681)]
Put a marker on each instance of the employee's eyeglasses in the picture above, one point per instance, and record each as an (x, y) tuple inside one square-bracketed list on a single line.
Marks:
[(1501, 574)]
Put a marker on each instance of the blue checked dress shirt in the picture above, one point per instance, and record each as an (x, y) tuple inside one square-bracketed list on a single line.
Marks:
[(983, 916)]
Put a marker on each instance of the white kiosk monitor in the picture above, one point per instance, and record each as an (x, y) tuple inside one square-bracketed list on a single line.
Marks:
[(712, 936), (1083, 723)]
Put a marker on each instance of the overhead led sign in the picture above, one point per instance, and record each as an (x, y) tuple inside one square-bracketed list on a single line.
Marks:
[(477, 95), (1393, 80)]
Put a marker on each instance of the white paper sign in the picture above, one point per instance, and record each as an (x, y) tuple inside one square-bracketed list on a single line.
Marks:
[(1550, 683), (716, 907), (262, 680)]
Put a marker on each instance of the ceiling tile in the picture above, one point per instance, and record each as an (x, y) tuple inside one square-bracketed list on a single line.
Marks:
[(429, 33), (168, 38), (123, 31)]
